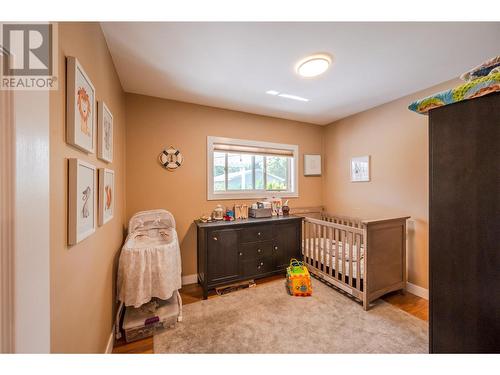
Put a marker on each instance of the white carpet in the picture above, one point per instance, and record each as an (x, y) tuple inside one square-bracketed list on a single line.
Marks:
[(266, 319)]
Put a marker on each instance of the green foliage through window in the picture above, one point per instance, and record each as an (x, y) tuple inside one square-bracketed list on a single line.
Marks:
[(238, 172)]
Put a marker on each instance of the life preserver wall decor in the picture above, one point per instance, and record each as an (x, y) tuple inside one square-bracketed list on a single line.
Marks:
[(171, 158)]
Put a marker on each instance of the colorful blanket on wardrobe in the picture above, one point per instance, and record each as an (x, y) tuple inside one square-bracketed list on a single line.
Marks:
[(469, 90)]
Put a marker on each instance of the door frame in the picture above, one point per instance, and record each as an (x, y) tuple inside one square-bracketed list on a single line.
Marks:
[(7, 215)]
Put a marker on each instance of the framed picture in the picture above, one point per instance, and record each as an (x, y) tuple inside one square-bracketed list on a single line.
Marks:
[(312, 165), (82, 200), (80, 107), (104, 132), (106, 195), (360, 169)]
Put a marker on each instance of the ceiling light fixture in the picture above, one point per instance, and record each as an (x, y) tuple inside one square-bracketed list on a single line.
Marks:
[(314, 65), (287, 96), (272, 92), (294, 97)]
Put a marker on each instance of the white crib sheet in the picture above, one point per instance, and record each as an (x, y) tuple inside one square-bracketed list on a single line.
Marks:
[(319, 248)]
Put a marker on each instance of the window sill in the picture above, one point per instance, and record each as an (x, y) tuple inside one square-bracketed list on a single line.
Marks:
[(251, 195)]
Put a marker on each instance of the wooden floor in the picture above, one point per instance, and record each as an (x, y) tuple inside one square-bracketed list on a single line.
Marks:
[(408, 302)]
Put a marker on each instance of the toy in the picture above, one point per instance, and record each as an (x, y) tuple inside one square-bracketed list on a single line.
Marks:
[(285, 208), (298, 279), (218, 213)]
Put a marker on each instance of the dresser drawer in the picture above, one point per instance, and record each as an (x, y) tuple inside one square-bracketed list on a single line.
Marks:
[(257, 266), (256, 250), (256, 233)]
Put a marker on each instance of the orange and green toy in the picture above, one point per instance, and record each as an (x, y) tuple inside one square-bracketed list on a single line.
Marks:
[(298, 279)]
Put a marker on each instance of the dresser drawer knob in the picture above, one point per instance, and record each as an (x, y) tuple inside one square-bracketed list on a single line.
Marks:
[(241, 254), (276, 248), (215, 238), (259, 250), (258, 234), (261, 264)]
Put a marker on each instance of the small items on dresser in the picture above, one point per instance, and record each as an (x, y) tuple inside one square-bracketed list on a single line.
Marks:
[(260, 209), (218, 213), (205, 218), (260, 212), (240, 211), (285, 209)]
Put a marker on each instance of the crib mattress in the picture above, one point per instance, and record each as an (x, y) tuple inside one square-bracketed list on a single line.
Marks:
[(324, 250)]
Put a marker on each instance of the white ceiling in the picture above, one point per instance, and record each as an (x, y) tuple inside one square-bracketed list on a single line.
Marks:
[(231, 65)]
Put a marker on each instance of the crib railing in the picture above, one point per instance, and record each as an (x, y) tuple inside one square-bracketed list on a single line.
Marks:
[(345, 220), (333, 249)]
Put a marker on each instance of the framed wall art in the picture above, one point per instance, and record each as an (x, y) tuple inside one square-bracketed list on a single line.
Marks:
[(82, 200), (106, 195), (80, 107), (360, 169), (104, 132), (312, 165)]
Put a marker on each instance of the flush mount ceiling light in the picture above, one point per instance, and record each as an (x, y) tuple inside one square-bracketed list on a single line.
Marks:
[(287, 96), (314, 65)]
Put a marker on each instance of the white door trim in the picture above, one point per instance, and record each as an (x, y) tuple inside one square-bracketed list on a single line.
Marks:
[(32, 222), (7, 214)]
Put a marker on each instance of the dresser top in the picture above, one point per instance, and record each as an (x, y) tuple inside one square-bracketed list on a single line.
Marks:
[(250, 220)]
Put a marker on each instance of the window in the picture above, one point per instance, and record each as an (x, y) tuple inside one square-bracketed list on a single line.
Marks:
[(240, 169)]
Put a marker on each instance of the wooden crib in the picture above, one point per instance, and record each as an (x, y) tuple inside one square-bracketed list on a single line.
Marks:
[(364, 258)]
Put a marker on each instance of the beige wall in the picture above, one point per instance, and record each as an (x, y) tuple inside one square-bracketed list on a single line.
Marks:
[(396, 140), (82, 276), (154, 123)]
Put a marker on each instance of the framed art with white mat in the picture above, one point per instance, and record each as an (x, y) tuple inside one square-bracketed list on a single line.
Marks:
[(360, 169), (104, 132), (106, 195), (312, 165), (82, 200), (80, 107)]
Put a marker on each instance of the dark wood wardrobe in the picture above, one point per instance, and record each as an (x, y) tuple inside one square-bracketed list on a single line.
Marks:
[(464, 220)]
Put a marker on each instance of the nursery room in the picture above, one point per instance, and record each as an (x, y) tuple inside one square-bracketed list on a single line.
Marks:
[(250, 187)]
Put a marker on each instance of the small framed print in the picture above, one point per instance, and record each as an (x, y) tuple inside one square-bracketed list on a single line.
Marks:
[(106, 195), (82, 200), (360, 169), (312, 165), (104, 133), (80, 107)]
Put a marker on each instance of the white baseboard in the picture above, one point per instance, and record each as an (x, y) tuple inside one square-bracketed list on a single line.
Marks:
[(417, 290), (190, 279), (111, 342)]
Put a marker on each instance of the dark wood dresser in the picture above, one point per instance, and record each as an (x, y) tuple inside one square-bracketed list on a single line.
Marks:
[(230, 251), (464, 220)]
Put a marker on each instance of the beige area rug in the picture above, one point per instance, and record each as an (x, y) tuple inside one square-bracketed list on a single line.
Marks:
[(265, 319)]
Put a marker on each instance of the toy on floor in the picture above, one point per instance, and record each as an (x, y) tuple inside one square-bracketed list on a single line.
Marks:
[(298, 279)]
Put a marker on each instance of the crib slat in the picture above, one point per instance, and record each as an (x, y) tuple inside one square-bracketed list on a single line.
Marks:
[(314, 247), (306, 241), (339, 245), (358, 262), (328, 256), (334, 250), (308, 231), (303, 244), (330, 250), (322, 253), (311, 243), (351, 238)]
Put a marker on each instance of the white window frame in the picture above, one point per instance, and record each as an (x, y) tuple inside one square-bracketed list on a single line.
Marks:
[(292, 192)]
